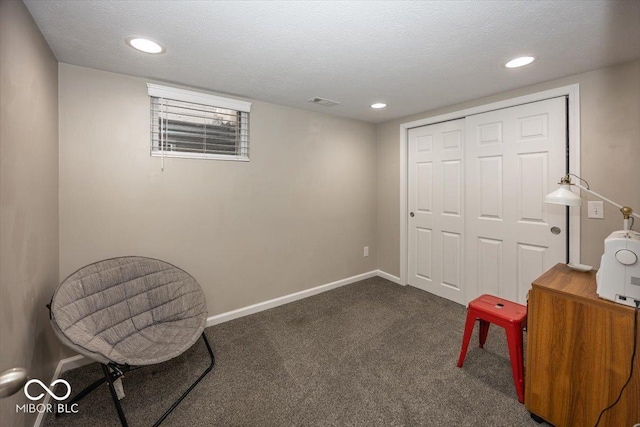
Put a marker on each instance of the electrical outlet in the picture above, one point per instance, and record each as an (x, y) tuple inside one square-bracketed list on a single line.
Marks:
[(596, 210), (366, 251)]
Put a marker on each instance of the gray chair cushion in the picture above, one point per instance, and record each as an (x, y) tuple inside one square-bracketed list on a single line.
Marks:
[(129, 310)]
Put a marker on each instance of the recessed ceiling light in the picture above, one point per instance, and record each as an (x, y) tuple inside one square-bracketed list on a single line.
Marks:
[(378, 105), (144, 45), (519, 62)]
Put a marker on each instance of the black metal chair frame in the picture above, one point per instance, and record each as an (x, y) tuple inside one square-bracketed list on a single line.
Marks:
[(112, 371)]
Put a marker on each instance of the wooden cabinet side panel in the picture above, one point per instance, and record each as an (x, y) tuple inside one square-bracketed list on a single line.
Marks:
[(547, 372), (578, 358)]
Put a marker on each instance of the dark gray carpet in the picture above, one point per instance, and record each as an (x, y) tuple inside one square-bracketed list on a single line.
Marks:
[(368, 354)]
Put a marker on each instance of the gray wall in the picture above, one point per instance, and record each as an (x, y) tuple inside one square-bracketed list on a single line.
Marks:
[(296, 216), (610, 156), (28, 200)]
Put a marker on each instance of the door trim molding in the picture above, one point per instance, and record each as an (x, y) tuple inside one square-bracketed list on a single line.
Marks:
[(573, 94)]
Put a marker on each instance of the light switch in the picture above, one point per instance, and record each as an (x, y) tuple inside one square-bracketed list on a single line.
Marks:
[(596, 210)]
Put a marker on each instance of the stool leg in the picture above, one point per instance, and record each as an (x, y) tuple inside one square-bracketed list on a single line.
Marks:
[(468, 329), (484, 330), (514, 340)]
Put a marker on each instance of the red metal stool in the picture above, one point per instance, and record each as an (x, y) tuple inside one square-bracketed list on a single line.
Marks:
[(512, 317)]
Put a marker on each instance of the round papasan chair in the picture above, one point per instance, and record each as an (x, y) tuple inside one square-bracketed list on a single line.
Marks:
[(127, 313)]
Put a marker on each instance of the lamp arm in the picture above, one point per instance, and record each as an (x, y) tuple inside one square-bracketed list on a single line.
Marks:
[(604, 198)]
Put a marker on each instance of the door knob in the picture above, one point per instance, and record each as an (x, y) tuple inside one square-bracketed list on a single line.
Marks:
[(412, 214), (555, 230)]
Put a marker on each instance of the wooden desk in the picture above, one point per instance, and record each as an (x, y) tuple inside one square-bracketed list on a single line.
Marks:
[(579, 353)]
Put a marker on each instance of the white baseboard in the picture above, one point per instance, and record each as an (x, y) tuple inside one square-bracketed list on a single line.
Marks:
[(73, 362), (390, 277), (266, 305), (77, 361)]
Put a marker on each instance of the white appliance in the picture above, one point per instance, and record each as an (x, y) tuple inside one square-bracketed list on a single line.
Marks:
[(619, 276)]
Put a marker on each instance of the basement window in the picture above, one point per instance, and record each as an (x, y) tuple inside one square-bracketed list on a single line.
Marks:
[(197, 125)]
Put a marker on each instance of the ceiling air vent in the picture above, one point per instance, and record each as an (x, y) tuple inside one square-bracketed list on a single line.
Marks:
[(323, 102)]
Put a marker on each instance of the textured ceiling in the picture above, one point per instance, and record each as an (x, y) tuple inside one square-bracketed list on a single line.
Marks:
[(415, 56)]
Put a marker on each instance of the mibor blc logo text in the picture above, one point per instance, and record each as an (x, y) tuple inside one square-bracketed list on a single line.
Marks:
[(35, 390)]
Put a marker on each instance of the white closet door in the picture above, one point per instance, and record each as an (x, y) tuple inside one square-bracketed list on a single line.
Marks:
[(514, 157), (436, 222)]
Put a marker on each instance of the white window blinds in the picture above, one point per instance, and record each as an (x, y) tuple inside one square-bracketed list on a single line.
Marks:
[(196, 125)]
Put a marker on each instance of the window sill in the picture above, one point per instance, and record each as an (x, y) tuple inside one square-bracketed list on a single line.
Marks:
[(233, 158)]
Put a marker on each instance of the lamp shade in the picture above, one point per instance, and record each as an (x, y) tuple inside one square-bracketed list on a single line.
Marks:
[(563, 196)]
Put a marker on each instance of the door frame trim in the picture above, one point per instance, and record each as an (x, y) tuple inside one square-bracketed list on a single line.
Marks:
[(573, 94)]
